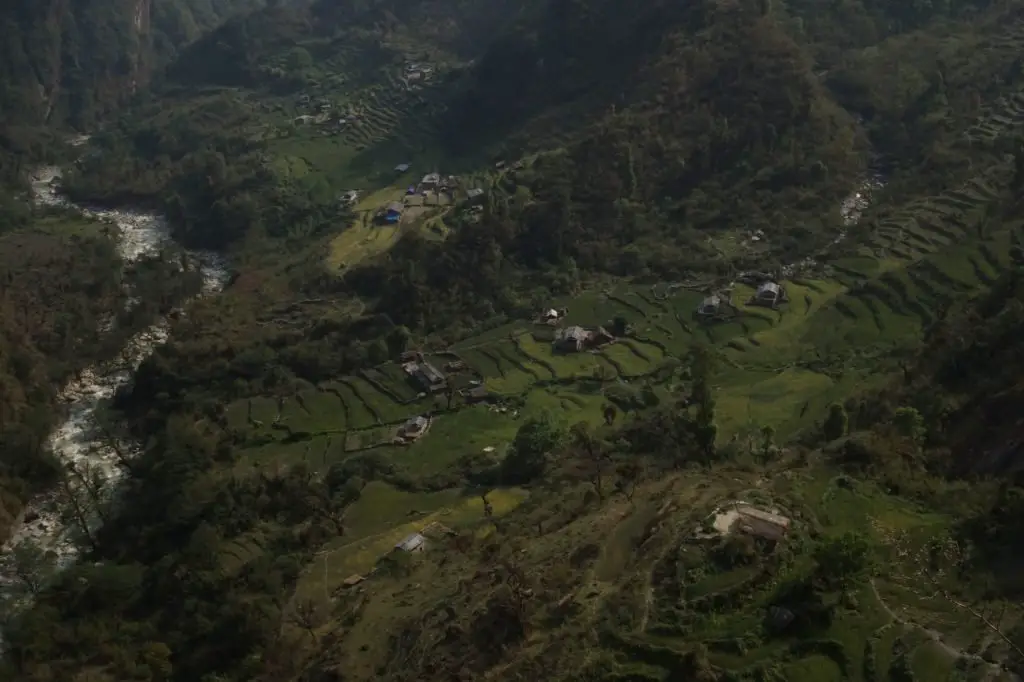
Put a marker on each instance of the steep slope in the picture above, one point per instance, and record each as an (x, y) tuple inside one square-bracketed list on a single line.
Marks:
[(73, 63)]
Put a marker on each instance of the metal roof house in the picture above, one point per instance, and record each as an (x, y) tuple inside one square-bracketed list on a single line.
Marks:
[(572, 338), (412, 543), (393, 212), (760, 523), (710, 305), (429, 377), (430, 180), (769, 294), (416, 425), (402, 167)]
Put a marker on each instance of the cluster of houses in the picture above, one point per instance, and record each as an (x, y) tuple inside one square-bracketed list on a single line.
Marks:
[(432, 184), (768, 294)]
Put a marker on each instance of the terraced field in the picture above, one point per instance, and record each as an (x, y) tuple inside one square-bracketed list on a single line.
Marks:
[(864, 639), (389, 111)]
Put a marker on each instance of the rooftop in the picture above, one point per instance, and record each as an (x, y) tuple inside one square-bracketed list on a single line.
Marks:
[(574, 333), (419, 423), (396, 207), (402, 167), (411, 543), (768, 288)]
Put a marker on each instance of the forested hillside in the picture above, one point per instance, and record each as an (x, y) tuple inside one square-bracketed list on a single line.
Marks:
[(72, 64), (584, 340)]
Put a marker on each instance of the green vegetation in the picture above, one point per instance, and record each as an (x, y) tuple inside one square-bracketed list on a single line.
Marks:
[(624, 411)]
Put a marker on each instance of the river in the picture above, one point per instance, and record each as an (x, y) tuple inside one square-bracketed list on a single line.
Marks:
[(74, 441)]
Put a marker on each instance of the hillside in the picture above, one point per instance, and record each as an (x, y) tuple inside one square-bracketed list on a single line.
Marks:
[(544, 313)]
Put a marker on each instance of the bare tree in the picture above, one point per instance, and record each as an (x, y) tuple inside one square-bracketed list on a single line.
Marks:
[(76, 508), (593, 452), (96, 484), (110, 441), (307, 614), (630, 474)]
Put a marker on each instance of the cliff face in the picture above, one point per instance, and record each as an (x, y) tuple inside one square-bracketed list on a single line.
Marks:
[(70, 62)]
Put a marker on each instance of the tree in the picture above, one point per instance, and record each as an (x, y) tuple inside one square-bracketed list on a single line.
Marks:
[(398, 340), (29, 564), (705, 430), (767, 441), (308, 615), (527, 459), (610, 412), (836, 422), (620, 325), (630, 474), (77, 510), (842, 561), (910, 424), (593, 453)]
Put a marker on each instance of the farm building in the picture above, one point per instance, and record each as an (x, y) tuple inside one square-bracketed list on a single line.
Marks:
[(769, 294), (551, 316), (352, 580), (762, 524), (477, 394), (572, 339), (412, 543), (710, 305), (413, 428), (392, 213), (429, 378)]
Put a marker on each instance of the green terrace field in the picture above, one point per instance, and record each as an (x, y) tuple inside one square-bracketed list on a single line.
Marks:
[(843, 328)]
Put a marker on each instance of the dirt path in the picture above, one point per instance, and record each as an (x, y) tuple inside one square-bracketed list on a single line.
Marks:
[(648, 602), (994, 669)]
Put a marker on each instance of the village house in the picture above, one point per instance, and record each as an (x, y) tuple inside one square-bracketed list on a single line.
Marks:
[(412, 543), (392, 213), (349, 197), (430, 181), (571, 339), (551, 316), (426, 375), (760, 523), (412, 429), (402, 168), (709, 306), (475, 195), (769, 294), (477, 394)]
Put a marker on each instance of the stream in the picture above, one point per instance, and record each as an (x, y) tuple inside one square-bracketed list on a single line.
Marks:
[(74, 441)]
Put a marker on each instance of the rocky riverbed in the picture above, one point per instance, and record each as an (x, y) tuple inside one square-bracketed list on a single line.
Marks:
[(75, 441)]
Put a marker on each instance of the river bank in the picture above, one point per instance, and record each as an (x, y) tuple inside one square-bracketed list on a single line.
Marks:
[(75, 441)]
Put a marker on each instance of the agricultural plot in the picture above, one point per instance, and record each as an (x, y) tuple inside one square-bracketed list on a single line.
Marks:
[(357, 413), (863, 639)]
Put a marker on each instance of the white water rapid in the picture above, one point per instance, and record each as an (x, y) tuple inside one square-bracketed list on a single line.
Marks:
[(74, 441)]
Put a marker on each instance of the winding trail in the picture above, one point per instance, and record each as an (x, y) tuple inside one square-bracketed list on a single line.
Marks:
[(995, 669)]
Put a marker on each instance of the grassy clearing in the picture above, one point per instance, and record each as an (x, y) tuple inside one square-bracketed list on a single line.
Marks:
[(385, 509)]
